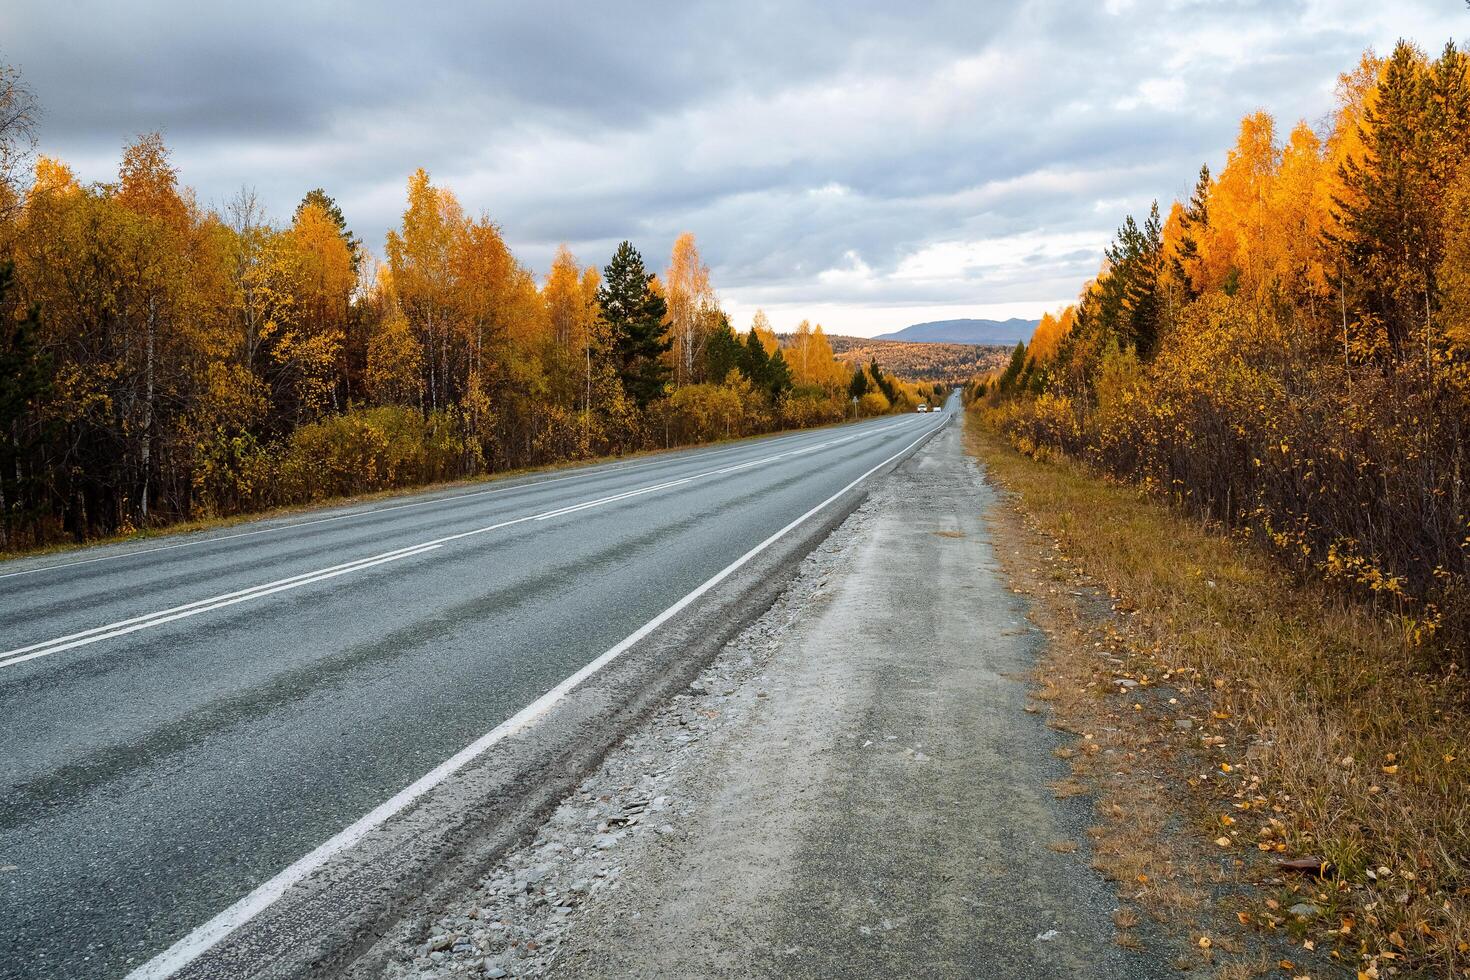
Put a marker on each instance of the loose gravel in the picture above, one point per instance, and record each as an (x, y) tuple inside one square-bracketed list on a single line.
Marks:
[(636, 803)]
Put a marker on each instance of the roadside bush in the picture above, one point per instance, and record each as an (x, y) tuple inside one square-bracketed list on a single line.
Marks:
[(705, 412), (801, 409), (370, 449)]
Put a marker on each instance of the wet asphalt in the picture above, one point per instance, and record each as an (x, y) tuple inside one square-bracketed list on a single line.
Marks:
[(155, 772)]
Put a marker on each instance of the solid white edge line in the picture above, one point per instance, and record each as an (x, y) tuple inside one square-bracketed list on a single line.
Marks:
[(208, 935), (608, 468)]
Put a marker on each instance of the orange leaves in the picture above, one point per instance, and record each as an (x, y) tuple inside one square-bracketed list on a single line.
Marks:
[(1049, 333)]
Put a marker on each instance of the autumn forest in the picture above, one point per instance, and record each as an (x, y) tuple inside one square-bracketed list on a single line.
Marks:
[(1287, 352), (165, 361)]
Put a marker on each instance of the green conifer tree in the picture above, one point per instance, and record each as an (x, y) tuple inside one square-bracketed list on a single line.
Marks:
[(635, 314)]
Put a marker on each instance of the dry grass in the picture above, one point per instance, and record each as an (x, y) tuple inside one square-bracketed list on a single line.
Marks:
[(1275, 719), (1065, 789)]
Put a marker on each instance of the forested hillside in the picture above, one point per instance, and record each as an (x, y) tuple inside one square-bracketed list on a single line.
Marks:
[(1287, 352), (922, 361)]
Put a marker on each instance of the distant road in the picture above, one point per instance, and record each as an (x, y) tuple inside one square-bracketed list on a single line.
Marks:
[(185, 718)]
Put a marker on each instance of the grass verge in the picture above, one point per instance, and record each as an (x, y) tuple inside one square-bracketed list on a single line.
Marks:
[(1230, 720)]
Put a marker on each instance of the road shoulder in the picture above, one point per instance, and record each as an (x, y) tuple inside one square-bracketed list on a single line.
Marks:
[(852, 786)]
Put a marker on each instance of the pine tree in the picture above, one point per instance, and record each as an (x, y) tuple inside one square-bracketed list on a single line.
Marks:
[(858, 386), (635, 314), (880, 381), (755, 363), (722, 351), (324, 201)]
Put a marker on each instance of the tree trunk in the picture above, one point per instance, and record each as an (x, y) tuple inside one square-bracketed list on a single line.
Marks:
[(147, 435)]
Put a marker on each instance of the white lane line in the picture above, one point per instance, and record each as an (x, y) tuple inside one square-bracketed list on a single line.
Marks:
[(602, 469), (346, 566), (168, 616), (124, 627), (211, 933)]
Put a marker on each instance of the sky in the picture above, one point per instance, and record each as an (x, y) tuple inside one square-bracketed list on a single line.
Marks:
[(866, 164)]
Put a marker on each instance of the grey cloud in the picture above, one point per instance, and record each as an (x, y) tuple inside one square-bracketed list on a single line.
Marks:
[(788, 136)]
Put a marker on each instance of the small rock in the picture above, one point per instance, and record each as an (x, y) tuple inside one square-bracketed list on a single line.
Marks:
[(1125, 682), (441, 942), (1047, 936), (495, 973), (1183, 724), (1304, 910), (697, 687)]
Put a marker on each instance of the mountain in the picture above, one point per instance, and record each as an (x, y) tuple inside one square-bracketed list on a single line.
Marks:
[(966, 331)]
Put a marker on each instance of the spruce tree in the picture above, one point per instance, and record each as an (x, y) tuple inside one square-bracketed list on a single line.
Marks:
[(858, 386), (1388, 212), (1013, 370), (755, 363), (778, 374), (1194, 220), (635, 314), (1141, 298)]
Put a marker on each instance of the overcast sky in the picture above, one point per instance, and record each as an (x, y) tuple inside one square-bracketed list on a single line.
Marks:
[(867, 164)]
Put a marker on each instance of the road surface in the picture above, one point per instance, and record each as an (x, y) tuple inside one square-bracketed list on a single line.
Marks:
[(193, 724)]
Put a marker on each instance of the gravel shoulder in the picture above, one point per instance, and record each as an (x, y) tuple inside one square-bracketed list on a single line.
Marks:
[(852, 786)]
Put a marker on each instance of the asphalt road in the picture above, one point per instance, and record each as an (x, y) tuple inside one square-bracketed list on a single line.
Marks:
[(185, 718)]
